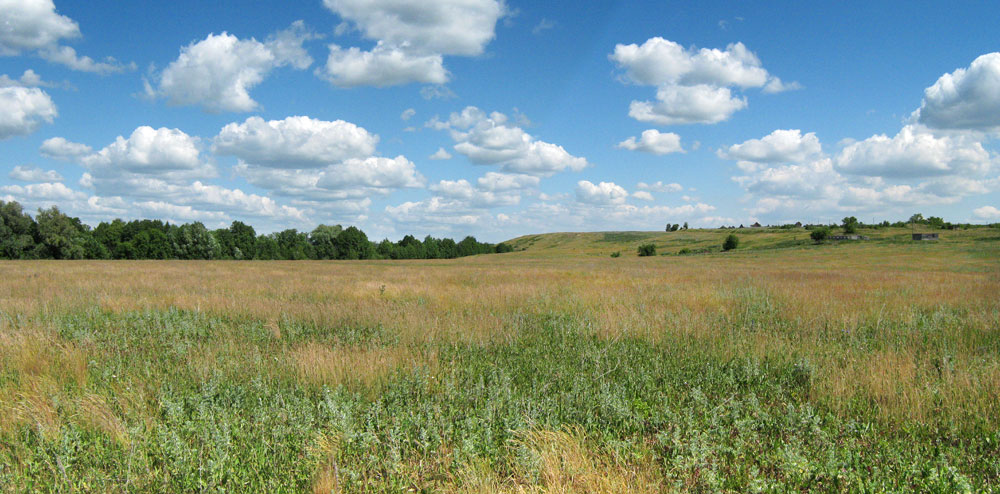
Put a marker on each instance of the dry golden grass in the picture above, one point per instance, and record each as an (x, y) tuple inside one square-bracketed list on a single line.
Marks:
[(562, 464), (94, 412), (855, 313), (356, 367)]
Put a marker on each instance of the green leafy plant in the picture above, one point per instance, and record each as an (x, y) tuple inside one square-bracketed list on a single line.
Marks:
[(731, 242)]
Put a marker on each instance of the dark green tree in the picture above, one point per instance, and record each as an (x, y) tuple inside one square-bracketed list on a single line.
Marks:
[(352, 243), (850, 225), (293, 245), (819, 234), (17, 232), (194, 241), (323, 239), (60, 236), (731, 242)]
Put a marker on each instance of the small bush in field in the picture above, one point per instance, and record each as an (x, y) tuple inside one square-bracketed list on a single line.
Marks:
[(616, 253), (820, 234), (732, 241), (647, 250)]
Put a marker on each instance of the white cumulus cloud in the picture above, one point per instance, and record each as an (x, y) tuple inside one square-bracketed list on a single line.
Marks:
[(383, 66), (218, 72), (599, 194), (493, 140), (780, 146), (60, 149), (411, 36), (23, 110), (655, 142), (694, 85), (294, 142), (676, 105), (987, 213), (440, 154), (967, 98), (35, 26), (914, 152), (661, 61), (660, 186), (34, 174)]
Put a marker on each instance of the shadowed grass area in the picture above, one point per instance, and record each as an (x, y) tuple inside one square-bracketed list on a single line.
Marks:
[(834, 368)]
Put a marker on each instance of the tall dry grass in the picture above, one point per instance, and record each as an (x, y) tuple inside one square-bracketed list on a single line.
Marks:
[(898, 326)]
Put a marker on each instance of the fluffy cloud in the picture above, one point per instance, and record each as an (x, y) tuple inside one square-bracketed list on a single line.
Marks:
[(492, 140), (23, 110), (913, 152), (987, 213), (149, 151), (687, 105), (659, 61), (693, 84), (600, 194), (474, 197), (218, 72), (440, 154), (34, 26), (496, 182), (149, 163), (450, 27), (660, 187), (313, 161), (412, 37), (967, 98), (815, 179), (460, 203), (780, 146), (655, 142), (60, 149), (435, 212), (352, 179), (44, 192), (295, 142), (383, 66), (34, 174), (787, 175), (28, 79)]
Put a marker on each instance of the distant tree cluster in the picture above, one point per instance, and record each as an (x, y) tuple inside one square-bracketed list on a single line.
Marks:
[(851, 224), (52, 234)]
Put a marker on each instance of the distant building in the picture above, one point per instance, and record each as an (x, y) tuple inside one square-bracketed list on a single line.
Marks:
[(925, 236), (847, 237), (798, 224), (755, 225)]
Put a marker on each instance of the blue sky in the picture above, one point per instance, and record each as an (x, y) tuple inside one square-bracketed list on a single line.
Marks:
[(498, 119)]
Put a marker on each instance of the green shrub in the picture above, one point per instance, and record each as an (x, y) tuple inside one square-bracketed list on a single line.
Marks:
[(684, 251), (820, 234), (647, 250), (616, 253), (732, 241)]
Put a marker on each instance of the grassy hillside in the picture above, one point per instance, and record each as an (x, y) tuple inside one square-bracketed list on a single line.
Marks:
[(862, 367), (710, 240)]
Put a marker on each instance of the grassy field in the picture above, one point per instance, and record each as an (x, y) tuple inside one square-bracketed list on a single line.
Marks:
[(781, 366)]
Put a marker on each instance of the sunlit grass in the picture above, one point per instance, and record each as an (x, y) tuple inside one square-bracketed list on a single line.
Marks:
[(836, 367)]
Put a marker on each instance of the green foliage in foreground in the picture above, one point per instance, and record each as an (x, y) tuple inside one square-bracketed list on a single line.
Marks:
[(706, 423)]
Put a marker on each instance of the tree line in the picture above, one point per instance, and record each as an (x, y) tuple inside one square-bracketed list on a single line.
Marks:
[(52, 234)]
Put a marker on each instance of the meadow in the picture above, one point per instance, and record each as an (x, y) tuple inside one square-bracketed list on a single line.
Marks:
[(780, 366)]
